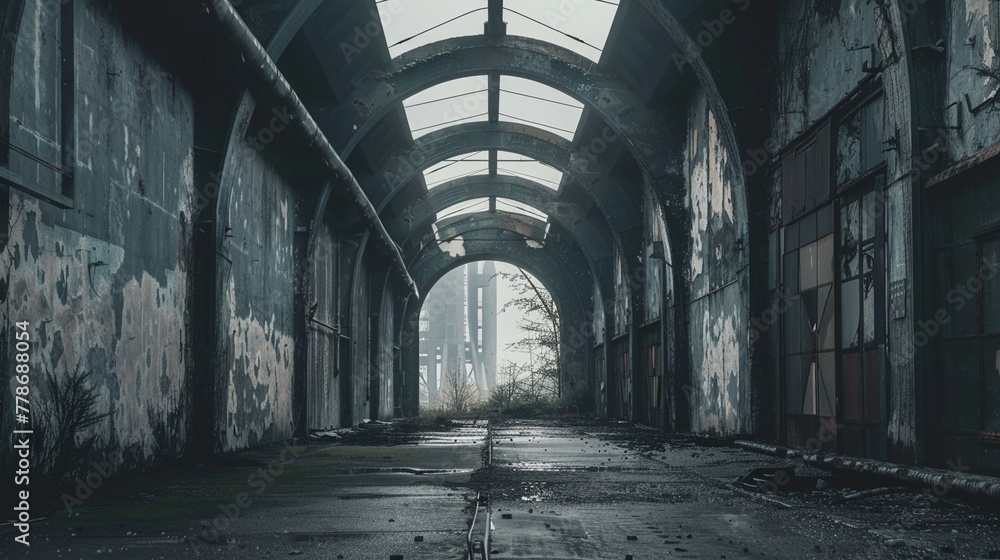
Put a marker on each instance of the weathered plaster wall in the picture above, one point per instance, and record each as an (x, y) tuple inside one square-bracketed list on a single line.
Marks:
[(385, 355), (255, 313), (323, 387), (623, 297), (973, 71), (817, 64), (104, 285), (904, 397), (358, 377), (718, 281), (599, 321), (657, 281)]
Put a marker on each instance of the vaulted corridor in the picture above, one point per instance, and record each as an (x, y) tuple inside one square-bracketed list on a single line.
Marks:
[(767, 228)]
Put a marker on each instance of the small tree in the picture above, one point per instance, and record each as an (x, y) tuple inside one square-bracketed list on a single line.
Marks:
[(541, 334), (508, 389), (457, 393)]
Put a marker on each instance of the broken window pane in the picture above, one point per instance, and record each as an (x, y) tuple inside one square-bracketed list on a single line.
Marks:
[(850, 314), (873, 138), (807, 267), (869, 301), (849, 149), (810, 318), (809, 405), (826, 335), (824, 260), (872, 209), (850, 236), (826, 390)]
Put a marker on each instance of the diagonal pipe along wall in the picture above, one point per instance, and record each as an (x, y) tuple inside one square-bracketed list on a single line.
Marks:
[(267, 74)]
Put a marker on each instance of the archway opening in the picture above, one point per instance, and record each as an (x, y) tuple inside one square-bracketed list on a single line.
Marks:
[(489, 340)]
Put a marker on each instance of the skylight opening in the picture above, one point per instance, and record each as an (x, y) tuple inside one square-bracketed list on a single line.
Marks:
[(475, 205), (465, 207), (514, 207), (478, 163), (528, 168), (529, 102), (409, 24), (465, 100), (589, 21), (475, 163)]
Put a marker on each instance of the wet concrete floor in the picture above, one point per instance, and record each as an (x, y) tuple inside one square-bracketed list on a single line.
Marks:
[(557, 490)]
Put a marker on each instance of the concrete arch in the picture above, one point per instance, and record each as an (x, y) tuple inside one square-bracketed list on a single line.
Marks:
[(549, 64), (547, 269), (558, 268), (455, 234), (592, 234), (388, 182), (531, 228), (527, 140)]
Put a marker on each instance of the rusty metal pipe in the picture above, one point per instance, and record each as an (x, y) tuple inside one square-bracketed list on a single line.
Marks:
[(964, 483), (266, 73)]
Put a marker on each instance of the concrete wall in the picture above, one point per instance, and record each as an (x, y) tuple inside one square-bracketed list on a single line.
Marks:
[(718, 281), (323, 387), (255, 314), (657, 280), (622, 298), (384, 355), (817, 68), (104, 284), (358, 377), (973, 70)]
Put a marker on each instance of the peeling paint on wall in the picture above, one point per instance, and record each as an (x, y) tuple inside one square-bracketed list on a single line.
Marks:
[(718, 377), (718, 281), (973, 75), (259, 397), (127, 332), (256, 340)]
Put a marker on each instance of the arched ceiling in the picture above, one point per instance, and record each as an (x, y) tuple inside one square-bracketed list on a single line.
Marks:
[(629, 136)]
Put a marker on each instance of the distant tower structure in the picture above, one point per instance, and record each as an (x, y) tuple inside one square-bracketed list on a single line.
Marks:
[(458, 330), (482, 316)]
